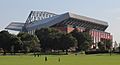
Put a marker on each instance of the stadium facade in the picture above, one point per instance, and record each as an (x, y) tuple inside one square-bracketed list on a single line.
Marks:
[(66, 22)]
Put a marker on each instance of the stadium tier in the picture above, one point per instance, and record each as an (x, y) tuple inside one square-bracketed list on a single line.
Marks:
[(66, 22)]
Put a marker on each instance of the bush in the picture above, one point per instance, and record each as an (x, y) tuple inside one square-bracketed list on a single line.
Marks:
[(96, 52)]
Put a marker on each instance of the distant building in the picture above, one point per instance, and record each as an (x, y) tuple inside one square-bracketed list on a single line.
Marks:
[(66, 22)]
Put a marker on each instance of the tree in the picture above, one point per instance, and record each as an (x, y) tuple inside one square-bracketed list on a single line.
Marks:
[(101, 46), (5, 40), (105, 45), (53, 39), (87, 40), (46, 35), (15, 43), (108, 44), (84, 39), (9, 42), (67, 41), (35, 44), (29, 41)]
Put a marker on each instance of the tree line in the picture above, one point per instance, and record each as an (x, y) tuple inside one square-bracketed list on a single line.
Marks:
[(47, 40)]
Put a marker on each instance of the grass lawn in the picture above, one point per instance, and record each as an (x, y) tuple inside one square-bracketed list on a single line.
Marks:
[(64, 60)]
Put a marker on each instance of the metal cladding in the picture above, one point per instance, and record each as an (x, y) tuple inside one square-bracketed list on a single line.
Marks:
[(40, 19), (38, 15), (15, 26), (65, 22)]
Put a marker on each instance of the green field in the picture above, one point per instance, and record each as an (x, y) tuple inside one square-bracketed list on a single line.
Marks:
[(65, 60)]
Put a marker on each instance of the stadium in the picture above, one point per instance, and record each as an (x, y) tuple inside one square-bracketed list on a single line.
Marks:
[(65, 22)]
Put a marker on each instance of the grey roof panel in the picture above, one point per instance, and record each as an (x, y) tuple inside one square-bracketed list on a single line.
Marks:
[(48, 22), (38, 15), (15, 26), (92, 20), (58, 18)]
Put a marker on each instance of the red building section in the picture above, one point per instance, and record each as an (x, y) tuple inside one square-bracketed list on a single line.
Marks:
[(100, 35), (96, 35)]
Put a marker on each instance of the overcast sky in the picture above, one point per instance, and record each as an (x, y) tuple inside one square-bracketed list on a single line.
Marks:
[(106, 10)]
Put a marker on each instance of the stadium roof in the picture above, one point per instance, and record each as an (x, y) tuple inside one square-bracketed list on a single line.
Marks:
[(40, 19), (87, 19), (15, 26)]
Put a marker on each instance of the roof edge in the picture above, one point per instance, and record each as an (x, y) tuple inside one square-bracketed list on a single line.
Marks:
[(87, 19)]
